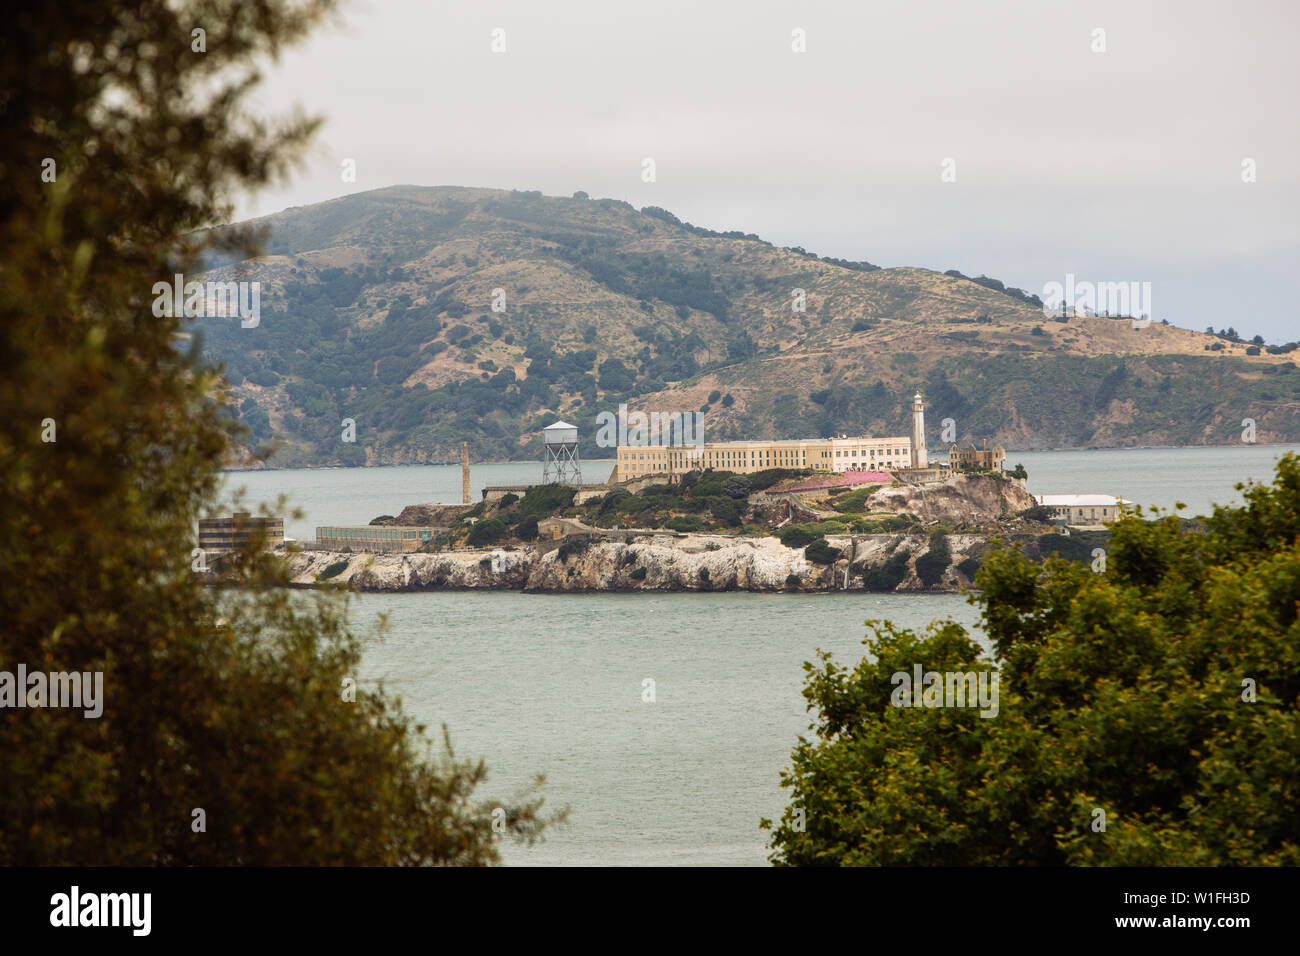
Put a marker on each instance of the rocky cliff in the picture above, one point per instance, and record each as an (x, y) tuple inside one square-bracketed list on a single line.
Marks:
[(660, 563), (964, 499)]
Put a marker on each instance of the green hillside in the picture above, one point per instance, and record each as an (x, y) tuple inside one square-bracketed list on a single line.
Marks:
[(378, 307)]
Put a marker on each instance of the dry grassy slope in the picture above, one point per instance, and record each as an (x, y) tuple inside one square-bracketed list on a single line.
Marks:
[(461, 244), (910, 302), (919, 313), (922, 329)]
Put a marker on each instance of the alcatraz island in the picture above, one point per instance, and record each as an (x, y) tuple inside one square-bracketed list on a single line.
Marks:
[(679, 514)]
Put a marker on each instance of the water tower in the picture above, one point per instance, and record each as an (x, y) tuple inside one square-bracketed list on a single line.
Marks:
[(560, 462)]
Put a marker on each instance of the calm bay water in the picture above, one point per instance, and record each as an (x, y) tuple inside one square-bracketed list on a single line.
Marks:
[(553, 683), (348, 496)]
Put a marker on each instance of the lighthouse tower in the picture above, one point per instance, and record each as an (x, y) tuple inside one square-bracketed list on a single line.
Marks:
[(920, 458)]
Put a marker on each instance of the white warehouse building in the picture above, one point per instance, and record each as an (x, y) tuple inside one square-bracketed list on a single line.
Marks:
[(1083, 509)]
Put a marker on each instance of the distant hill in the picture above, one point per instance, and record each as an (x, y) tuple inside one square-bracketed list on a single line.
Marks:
[(378, 307)]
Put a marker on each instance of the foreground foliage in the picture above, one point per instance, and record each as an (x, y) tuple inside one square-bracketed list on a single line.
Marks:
[(228, 735), (1159, 697)]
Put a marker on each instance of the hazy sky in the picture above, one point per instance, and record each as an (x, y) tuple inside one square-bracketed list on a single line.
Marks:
[(1122, 165)]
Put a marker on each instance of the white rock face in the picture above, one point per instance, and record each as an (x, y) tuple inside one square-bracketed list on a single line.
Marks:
[(961, 498), (695, 563), (660, 563), (418, 572)]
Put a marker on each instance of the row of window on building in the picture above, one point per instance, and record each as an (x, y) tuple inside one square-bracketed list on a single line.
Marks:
[(863, 452), (229, 533), (376, 538), (829, 454), (371, 534)]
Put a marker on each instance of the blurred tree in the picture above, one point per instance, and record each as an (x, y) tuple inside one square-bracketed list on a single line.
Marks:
[(1147, 715), (230, 699)]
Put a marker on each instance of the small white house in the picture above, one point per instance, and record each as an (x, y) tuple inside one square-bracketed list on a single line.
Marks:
[(1083, 509)]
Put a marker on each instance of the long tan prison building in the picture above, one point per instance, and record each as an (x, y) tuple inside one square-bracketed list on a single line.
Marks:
[(821, 454)]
